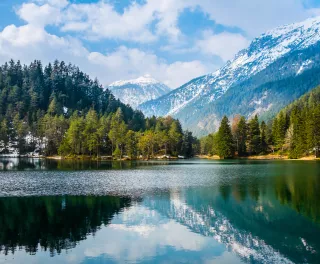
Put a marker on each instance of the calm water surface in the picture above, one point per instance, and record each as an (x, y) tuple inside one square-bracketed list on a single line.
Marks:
[(192, 211)]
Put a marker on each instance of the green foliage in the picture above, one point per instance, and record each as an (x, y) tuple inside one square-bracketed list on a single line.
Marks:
[(240, 136), (254, 136), (294, 131), (54, 223), (225, 140), (263, 137), (131, 144), (189, 145), (60, 110)]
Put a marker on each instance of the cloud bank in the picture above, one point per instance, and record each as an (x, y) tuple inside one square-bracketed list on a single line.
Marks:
[(143, 33)]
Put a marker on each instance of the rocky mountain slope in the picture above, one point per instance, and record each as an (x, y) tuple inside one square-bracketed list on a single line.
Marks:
[(277, 67), (137, 91)]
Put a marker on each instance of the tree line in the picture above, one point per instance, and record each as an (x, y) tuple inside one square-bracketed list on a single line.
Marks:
[(295, 132), (95, 135), (57, 109)]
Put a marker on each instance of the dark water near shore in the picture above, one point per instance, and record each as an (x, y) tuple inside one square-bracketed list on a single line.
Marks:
[(192, 211)]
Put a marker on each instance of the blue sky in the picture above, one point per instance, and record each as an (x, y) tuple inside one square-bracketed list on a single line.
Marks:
[(172, 40)]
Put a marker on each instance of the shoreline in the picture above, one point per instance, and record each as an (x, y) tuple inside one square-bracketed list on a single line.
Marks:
[(263, 157), (205, 157), (107, 158)]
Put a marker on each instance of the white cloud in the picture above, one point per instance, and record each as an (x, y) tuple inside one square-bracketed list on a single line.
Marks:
[(39, 15), (224, 45), (99, 20), (27, 43), (255, 17), (30, 42), (56, 3), (132, 63)]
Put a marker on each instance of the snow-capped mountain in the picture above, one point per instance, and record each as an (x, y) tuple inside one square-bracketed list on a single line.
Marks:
[(137, 91), (195, 102)]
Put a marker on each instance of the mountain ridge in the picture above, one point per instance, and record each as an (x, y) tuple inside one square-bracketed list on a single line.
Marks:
[(186, 101)]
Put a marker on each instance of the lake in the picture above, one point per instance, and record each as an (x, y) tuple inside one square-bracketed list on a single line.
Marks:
[(190, 211)]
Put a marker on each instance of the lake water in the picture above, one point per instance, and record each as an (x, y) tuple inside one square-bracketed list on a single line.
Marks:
[(192, 211)]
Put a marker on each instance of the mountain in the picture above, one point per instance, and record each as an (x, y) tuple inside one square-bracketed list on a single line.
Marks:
[(278, 67), (137, 91)]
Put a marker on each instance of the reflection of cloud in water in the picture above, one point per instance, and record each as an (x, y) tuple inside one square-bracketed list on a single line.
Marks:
[(138, 242), (138, 234)]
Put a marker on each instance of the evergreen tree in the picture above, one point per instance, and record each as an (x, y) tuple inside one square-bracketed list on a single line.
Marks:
[(263, 136), (59, 109), (188, 145), (254, 136), (241, 135), (225, 143)]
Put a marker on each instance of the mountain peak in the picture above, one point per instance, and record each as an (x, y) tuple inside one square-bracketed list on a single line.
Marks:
[(137, 91), (285, 29), (142, 80)]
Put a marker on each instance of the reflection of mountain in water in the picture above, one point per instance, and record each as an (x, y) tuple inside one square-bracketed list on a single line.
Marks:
[(251, 220), (54, 223)]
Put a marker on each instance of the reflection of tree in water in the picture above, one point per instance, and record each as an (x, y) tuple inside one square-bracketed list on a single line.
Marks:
[(300, 193), (298, 188), (16, 164), (263, 208), (54, 223), (8, 164)]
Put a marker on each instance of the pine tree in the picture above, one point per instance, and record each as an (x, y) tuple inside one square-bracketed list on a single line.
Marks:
[(241, 135), (298, 146), (263, 136), (225, 143), (254, 136), (188, 148)]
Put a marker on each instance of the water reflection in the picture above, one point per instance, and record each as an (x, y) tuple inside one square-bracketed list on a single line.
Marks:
[(25, 164), (53, 223), (248, 212)]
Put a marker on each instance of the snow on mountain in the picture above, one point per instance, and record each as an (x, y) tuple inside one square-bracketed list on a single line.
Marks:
[(137, 91), (262, 52)]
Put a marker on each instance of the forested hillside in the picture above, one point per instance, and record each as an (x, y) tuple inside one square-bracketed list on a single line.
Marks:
[(59, 109), (295, 131)]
